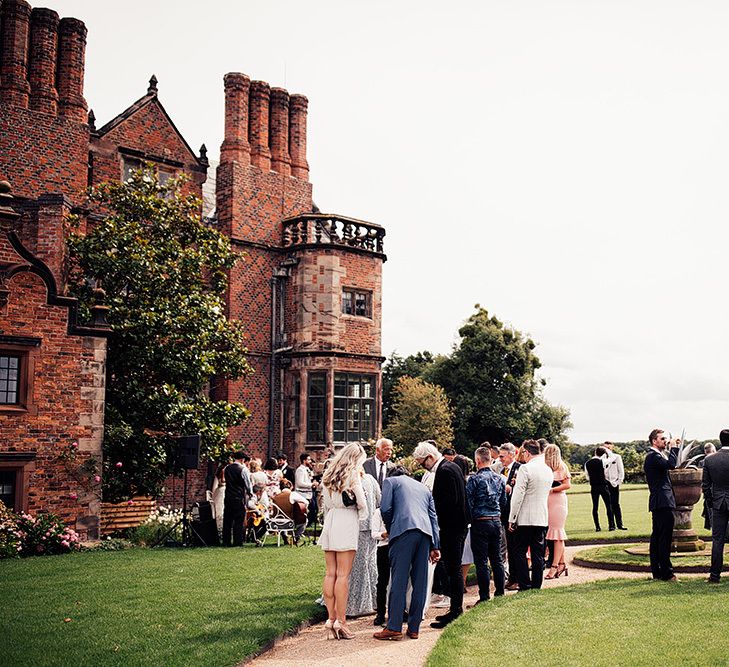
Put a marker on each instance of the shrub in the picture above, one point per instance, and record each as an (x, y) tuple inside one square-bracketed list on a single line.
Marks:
[(113, 544), (9, 538), (159, 522), (45, 534)]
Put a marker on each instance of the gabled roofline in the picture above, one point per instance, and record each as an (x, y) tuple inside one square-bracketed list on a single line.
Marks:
[(142, 102)]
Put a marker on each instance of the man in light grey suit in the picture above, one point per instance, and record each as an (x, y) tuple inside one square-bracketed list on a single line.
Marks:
[(528, 518), (408, 512), (715, 485), (379, 466)]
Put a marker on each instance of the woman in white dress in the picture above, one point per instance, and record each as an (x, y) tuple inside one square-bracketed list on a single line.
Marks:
[(340, 533)]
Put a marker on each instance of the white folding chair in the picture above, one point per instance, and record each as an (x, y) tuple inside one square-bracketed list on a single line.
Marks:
[(278, 524)]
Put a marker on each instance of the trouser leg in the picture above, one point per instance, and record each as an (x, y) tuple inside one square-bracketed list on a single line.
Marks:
[(383, 578), (718, 535), (419, 579), (536, 547), (452, 553), (595, 493), (521, 569), (401, 555), (653, 547), (479, 546), (497, 563), (663, 528), (615, 504), (606, 499)]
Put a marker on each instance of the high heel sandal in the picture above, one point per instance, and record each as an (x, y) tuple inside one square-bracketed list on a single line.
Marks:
[(562, 569), (329, 628), (553, 573), (342, 631)]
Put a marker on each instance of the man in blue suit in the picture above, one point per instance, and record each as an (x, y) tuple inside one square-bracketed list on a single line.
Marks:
[(408, 511), (661, 502)]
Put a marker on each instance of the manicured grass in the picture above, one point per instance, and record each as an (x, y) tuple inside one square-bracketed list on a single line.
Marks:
[(602, 624), (154, 606), (637, 518), (618, 555)]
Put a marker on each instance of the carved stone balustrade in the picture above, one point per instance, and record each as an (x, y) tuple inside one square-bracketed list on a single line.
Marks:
[(319, 229)]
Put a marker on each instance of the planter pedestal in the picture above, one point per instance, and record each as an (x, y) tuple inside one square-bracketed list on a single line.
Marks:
[(687, 491)]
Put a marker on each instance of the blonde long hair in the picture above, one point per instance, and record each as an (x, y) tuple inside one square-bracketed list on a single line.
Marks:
[(553, 457), (344, 468)]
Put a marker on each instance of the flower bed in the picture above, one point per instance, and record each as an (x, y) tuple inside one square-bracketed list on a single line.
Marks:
[(26, 535)]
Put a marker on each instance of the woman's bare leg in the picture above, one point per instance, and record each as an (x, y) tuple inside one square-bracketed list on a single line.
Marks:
[(330, 577), (341, 586)]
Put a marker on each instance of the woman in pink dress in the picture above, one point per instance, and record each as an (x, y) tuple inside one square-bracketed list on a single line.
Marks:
[(557, 507)]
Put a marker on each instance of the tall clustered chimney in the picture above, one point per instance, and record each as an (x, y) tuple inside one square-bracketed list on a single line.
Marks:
[(42, 60), (297, 136), (15, 22), (235, 146), (258, 128), (71, 60), (279, 127)]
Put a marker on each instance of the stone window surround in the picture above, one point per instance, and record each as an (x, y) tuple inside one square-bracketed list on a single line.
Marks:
[(23, 464), (354, 291), (27, 349)]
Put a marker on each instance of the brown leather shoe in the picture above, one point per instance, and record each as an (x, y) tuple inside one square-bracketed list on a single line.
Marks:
[(388, 634), (412, 635)]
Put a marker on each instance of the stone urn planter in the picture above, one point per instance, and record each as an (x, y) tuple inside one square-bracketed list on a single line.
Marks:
[(687, 491)]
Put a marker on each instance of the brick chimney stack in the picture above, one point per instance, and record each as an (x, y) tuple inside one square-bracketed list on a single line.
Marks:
[(235, 146), (258, 129), (279, 125), (15, 22), (297, 136), (71, 63), (42, 61)]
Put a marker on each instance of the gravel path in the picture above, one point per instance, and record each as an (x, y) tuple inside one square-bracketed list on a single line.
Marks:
[(310, 647)]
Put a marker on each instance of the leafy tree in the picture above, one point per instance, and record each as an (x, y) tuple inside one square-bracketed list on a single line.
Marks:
[(164, 273), (420, 412), (490, 379), (396, 367)]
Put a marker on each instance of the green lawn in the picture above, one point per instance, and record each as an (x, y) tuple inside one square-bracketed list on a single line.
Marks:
[(602, 624), (617, 554), (634, 504), (154, 606)]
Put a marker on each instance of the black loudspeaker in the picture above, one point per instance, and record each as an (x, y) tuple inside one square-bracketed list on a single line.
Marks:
[(205, 510), (205, 533), (188, 452)]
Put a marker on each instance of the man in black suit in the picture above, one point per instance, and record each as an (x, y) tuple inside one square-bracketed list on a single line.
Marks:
[(595, 473), (286, 470), (661, 502), (715, 485), (507, 456), (379, 466), (449, 494), (238, 489)]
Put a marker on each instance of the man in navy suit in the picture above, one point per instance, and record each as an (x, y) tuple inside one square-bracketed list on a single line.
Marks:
[(661, 502), (715, 485), (408, 512)]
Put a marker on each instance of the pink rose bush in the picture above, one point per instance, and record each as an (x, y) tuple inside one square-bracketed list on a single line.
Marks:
[(26, 535)]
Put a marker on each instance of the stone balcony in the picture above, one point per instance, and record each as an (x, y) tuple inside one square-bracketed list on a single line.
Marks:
[(321, 229)]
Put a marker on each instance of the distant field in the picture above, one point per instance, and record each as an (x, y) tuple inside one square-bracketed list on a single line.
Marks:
[(634, 503)]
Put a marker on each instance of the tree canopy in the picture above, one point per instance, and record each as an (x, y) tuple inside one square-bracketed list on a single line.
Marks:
[(491, 381), (420, 412), (164, 273)]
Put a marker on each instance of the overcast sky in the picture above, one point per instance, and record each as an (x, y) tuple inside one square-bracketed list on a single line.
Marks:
[(564, 164)]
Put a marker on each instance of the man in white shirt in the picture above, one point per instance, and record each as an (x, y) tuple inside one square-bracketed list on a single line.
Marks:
[(615, 476), (379, 466), (305, 484)]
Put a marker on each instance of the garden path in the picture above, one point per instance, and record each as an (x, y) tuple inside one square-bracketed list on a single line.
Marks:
[(310, 647)]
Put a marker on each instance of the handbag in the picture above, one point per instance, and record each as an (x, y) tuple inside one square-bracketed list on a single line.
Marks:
[(348, 498)]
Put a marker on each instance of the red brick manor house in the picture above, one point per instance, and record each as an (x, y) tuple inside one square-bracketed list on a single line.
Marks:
[(309, 289)]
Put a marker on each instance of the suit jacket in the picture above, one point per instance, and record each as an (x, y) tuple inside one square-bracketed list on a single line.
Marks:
[(595, 471), (531, 493), (449, 495), (290, 474), (659, 483), (614, 470), (371, 468), (408, 505), (715, 482), (509, 482)]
